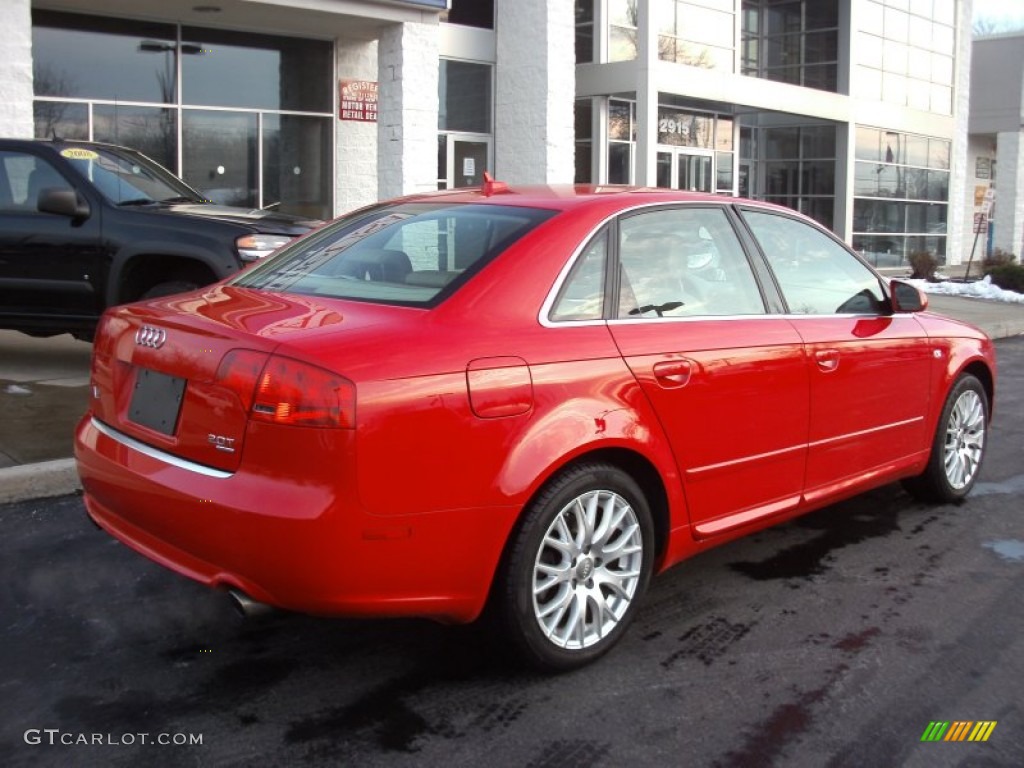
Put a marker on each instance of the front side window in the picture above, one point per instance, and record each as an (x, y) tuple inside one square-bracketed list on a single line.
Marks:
[(817, 275), (412, 254)]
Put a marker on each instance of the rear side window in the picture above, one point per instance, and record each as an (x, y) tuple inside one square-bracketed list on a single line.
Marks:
[(817, 275), (684, 262), (411, 254)]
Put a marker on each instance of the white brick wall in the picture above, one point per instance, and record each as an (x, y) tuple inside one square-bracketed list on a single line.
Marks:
[(535, 90), (1008, 232), (355, 182), (959, 217), (16, 69), (407, 119)]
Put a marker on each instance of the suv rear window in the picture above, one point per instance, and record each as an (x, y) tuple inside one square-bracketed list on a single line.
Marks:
[(411, 254)]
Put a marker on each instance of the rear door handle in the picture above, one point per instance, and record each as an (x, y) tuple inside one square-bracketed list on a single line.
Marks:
[(827, 359), (672, 374)]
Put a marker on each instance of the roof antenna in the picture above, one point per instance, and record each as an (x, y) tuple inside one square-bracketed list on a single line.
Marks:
[(492, 186)]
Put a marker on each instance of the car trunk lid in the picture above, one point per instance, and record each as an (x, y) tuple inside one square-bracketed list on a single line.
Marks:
[(180, 373)]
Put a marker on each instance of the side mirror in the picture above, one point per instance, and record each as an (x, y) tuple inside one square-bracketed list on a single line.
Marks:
[(63, 202), (907, 298)]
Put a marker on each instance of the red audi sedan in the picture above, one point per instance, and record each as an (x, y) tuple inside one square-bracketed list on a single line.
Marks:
[(528, 398)]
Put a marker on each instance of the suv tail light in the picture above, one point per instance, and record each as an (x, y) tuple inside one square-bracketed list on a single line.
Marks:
[(279, 390)]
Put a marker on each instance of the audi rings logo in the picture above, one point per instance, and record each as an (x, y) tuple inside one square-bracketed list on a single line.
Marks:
[(148, 336)]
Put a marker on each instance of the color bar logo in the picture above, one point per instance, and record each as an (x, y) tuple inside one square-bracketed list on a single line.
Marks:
[(958, 730)]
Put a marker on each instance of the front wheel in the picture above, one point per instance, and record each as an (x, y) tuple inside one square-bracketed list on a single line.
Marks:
[(958, 447), (577, 567)]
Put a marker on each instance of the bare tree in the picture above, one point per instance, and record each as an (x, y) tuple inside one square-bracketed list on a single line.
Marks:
[(985, 25)]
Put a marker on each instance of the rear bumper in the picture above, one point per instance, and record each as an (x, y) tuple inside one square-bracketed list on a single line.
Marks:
[(298, 542)]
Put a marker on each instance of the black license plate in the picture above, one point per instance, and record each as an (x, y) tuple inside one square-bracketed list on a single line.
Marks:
[(156, 401)]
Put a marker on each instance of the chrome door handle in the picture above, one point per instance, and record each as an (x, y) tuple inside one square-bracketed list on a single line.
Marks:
[(672, 374), (827, 359)]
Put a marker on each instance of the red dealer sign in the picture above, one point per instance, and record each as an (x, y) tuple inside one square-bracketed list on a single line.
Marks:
[(358, 100)]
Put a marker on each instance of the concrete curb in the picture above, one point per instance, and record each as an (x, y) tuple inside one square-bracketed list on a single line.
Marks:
[(36, 481)]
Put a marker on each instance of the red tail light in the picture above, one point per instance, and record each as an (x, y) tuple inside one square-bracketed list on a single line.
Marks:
[(280, 390)]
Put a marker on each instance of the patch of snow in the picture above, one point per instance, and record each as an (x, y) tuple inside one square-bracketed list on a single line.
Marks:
[(15, 389), (979, 289)]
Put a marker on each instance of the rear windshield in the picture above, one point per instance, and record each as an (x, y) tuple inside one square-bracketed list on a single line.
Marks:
[(412, 254)]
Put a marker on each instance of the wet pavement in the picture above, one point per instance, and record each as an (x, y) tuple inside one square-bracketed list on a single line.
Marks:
[(831, 641)]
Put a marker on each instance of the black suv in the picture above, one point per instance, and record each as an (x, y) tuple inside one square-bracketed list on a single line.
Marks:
[(85, 226)]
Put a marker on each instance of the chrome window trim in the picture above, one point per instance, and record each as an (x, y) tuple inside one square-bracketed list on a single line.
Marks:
[(154, 453), (545, 309)]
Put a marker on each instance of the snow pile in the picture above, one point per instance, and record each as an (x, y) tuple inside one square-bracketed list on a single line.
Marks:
[(979, 289)]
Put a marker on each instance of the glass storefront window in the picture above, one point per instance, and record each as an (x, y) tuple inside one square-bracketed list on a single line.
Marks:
[(61, 119), (724, 172), (464, 97), (103, 58), (901, 190), (619, 163), (695, 33), (684, 129), (622, 30), (796, 166), (295, 180), (126, 74), (243, 69), (620, 121), (219, 155), (584, 130), (621, 136), (723, 134), (792, 41), (151, 130), (584, 31)]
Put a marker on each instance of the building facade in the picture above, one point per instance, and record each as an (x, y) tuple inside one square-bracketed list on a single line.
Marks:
[(996, 144), (852, 111)]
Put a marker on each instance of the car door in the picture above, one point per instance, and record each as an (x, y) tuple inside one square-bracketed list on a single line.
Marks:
[(727, 379), (49, 264), (868, 367)]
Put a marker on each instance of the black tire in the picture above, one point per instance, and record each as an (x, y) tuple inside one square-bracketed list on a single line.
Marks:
[(958, 447), (169, 288), (555, 625)]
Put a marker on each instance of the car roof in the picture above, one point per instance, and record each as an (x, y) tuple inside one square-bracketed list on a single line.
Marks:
[(570, 196)]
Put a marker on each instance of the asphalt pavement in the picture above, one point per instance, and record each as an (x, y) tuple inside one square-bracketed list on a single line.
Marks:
[(44, 392)]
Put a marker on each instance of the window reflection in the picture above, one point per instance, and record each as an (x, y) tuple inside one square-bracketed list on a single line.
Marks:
[(295, 178), (901, 193), (99, 58), (151, 130), (219, 155), (128, 71), (60, 119), (242, 69), (465, 97), (792, 41)]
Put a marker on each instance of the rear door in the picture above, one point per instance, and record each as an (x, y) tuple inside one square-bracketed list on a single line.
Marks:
[(727, 379), (868, 367)]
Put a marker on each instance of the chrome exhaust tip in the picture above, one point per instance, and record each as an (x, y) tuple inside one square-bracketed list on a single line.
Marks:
[(247, 607)]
